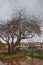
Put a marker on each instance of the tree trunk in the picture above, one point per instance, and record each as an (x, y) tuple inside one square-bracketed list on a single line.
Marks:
[(12, 44), (9, 48), (19, 44), (12, 47), (18, 41)]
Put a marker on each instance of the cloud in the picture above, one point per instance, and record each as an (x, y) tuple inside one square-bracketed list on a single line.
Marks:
[(7, 7)]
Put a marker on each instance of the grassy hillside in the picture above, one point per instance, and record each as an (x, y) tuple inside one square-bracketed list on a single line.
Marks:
[(2, 46)]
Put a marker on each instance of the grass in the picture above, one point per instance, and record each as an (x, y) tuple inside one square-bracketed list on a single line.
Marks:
[(24, 52), (34, 55)]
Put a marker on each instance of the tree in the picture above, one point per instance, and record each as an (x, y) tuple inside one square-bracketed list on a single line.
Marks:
[(21, 27), (5, 34), (24, 26)]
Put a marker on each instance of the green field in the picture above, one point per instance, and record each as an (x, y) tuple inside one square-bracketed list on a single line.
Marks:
[(33, 52)]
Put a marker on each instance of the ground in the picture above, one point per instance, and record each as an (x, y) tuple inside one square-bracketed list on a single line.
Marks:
[(22, 60), (26, 56)]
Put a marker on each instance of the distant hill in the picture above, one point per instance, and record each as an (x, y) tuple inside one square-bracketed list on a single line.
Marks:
[(2, 46)]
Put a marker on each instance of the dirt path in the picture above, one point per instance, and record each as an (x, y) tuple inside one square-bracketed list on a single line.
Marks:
[(23, 61)]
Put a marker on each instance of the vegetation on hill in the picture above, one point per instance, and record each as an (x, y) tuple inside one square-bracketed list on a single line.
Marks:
[(2, 46)]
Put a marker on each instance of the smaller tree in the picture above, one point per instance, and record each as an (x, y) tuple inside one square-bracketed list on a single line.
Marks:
[(5, 35)]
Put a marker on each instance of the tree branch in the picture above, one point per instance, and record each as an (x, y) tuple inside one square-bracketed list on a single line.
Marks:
[(3, 38)]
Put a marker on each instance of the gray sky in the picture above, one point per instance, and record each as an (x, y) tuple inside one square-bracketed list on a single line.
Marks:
[(34, 7), (8, 6)]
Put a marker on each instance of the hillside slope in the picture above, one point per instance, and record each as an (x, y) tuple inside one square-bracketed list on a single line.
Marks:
[(2, 46)]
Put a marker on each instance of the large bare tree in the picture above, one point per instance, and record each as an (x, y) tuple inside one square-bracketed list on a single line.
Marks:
[(21, 27)]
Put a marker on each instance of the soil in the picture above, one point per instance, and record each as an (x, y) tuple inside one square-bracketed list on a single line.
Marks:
[(22, 61)]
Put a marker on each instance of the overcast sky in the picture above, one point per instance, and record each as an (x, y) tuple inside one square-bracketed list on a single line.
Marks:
[(7, 7)]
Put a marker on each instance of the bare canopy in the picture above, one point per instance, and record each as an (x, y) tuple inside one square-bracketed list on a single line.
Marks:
[(20, 26)]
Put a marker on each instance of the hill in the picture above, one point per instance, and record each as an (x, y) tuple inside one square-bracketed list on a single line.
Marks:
[(2, 46)]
